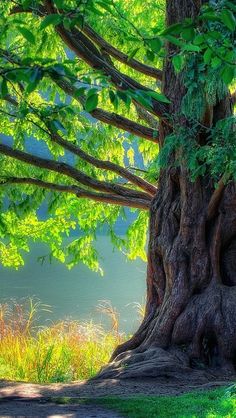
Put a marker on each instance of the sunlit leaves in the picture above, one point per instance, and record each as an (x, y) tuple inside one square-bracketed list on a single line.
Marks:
[(137, 237), (202, 48)]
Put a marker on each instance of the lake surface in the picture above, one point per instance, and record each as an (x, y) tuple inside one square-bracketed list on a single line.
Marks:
[(75, 293)]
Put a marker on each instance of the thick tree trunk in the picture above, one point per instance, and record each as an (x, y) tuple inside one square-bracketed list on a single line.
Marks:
[(190, 320)]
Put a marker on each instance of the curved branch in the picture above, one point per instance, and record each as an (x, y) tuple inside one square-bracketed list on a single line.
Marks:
[(128, 125), (109, 118), (106, 165), (120, 56), (71, 172), (80, 192), (215, 199), (102, 43), (86, 50)]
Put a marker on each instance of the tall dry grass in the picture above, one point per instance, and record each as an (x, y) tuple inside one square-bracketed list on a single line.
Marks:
[(62, 352)]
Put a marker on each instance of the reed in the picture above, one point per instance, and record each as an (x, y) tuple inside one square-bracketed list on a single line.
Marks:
[(62, 352)]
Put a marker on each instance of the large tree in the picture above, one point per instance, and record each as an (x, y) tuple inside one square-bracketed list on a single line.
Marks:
[(167, 71)]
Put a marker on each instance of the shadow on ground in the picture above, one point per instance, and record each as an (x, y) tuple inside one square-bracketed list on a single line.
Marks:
[(18, 399)]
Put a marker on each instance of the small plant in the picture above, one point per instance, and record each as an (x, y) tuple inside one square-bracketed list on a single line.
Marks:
[(106, 308)]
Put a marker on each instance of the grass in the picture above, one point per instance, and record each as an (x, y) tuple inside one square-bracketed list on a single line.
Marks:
[(63, 352), (71, 350), (220, 403)]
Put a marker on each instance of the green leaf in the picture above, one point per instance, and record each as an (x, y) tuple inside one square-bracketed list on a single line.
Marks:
[(231, 5), (59, 3), (26, 4), (207, 56), (188, 34), (228, 19), (192, 48), (150, 55), (133, 53), (143, 98), (214, 34), (199, 39), (104, 5), (91, 102), (216, 62), (35, 77), (211, 16), (228, 74), (112, 96), (3, 88), (173, 29), (113, 99), (80, 91), (230, 56), (125, 98), (174, 41), (178, 62), (53, 19), (67, 23), (77, 21), (27, 34), (157, 96), (92, 91), (155, 44)]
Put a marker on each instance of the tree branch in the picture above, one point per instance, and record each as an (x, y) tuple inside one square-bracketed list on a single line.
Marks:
[(69, 171), (107, 117), (75, 149), (146, 116), (80, 192), (120, 56), (85, 49), (106, 165), (215, 200)]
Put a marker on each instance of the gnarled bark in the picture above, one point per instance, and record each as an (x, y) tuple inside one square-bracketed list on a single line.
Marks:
[(190, 322)]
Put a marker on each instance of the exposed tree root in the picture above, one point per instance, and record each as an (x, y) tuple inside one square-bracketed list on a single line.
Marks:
[(202, 348), (171, 364)]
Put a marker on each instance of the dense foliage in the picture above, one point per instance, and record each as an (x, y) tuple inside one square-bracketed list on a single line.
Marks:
[(54, 104)]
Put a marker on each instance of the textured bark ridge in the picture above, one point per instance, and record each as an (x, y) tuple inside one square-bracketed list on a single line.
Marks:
[(190, 320), (191, 308)]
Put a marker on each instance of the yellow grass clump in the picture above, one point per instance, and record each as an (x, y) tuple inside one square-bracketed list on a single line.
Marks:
[(62, 352)]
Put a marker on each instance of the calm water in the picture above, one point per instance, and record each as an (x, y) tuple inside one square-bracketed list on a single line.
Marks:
[(75, 293)]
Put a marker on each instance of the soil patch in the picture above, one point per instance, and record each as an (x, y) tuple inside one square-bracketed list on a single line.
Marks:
[(33, 400)]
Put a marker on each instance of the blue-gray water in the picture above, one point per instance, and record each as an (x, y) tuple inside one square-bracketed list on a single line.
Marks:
[(75, 293)]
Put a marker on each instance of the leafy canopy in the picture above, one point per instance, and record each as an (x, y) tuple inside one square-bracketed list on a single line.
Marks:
[(80, 99)]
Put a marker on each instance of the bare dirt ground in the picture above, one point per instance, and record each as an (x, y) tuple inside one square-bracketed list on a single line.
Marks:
[(32, 400)]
